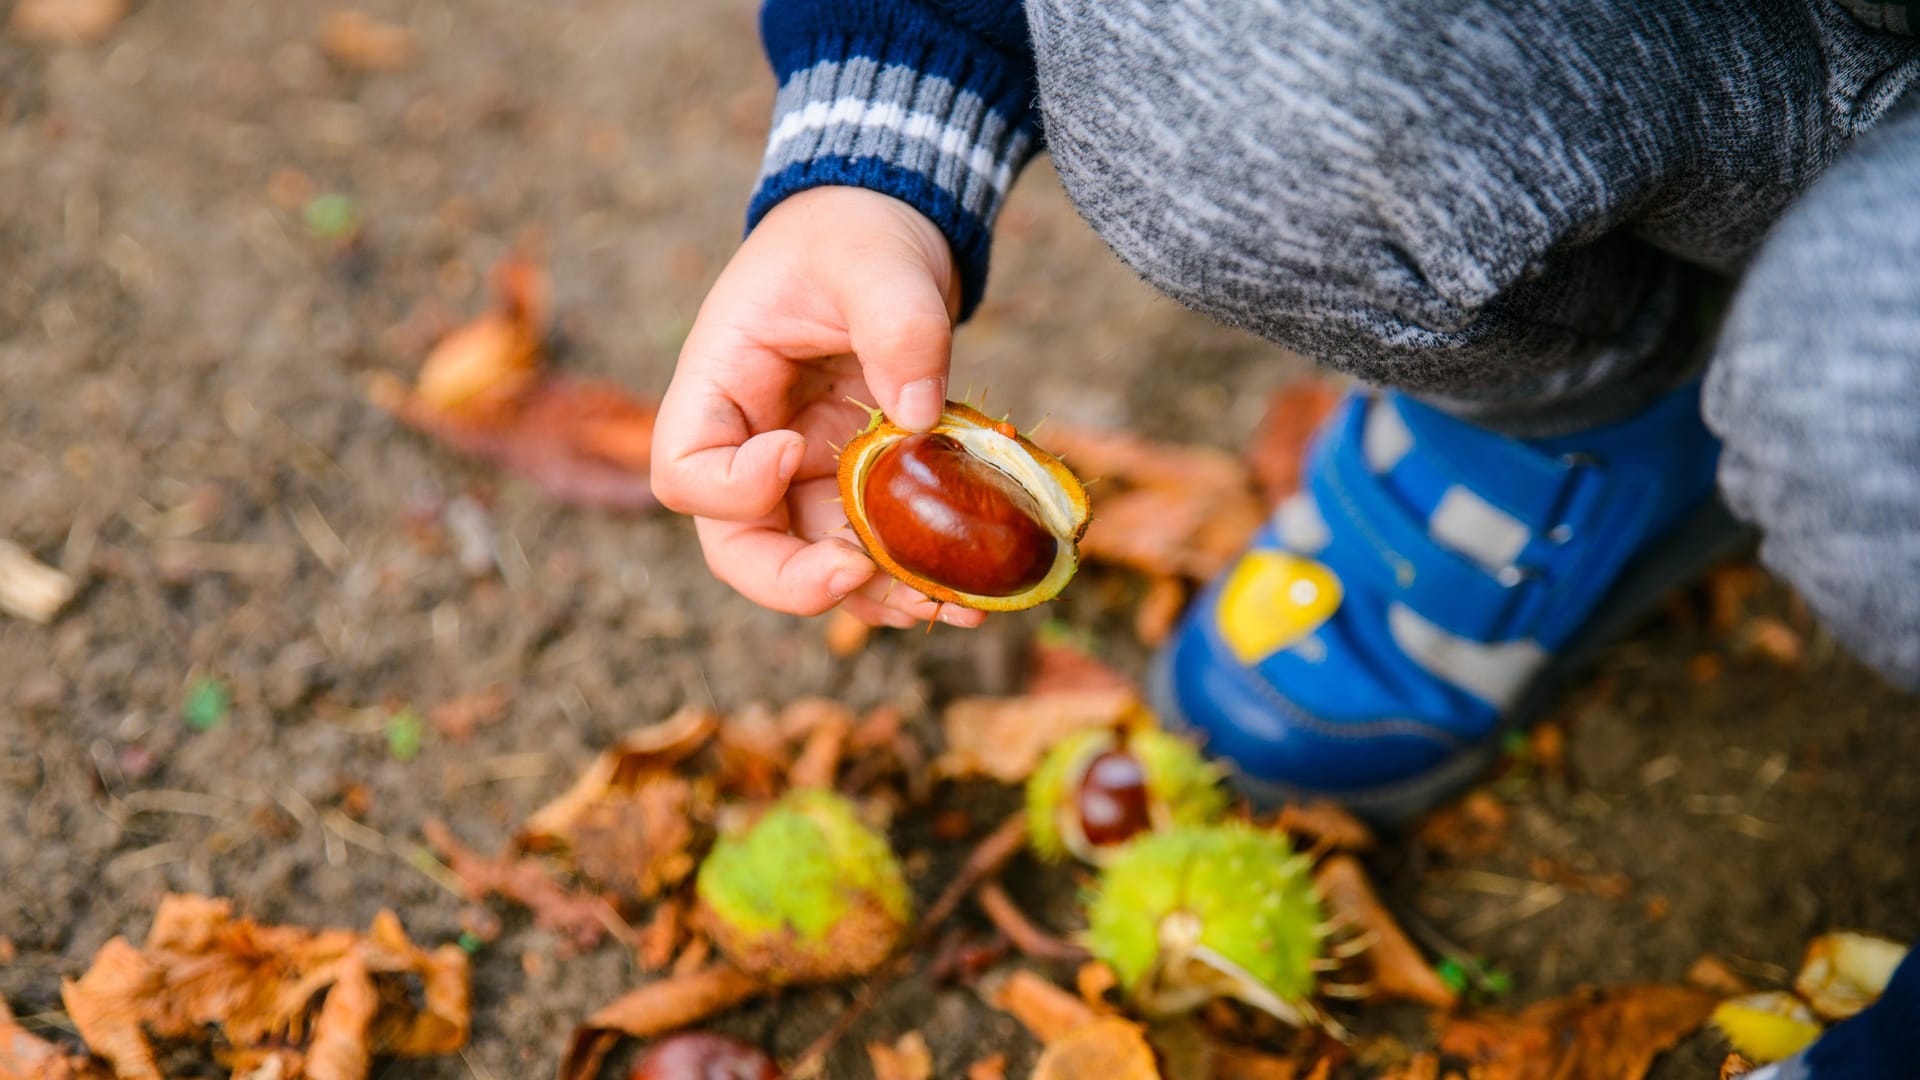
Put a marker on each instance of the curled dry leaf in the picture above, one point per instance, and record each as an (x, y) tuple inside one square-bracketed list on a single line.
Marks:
[(1044, 1009), (1611, 1034), (484, 391), (581, 918), (1060, 663), (1278, 447), (628, 821), (1397, 969), (992, 1067), (26, 1056), (656, 1009), (1107, 1049), (1005, 738), (1182, 511), (359, 42), (1322, 825), (907, 1059), (203, 969), (65, 22)]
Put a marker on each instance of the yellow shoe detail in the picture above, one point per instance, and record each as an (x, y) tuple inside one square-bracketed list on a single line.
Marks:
[(1272, 600)]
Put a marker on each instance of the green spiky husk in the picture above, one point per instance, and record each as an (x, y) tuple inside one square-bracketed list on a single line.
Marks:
[(808, 891), (1249, 889), (1183, 786)]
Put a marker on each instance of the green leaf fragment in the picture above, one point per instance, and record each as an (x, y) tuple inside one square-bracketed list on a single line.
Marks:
[(405, 730), (331, 216), (207, 704)]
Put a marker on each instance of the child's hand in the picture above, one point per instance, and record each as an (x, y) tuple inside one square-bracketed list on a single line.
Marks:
[(838, 293)]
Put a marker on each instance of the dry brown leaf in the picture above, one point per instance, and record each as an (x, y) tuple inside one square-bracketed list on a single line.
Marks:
[(359, 42), (660, 938), (581, 918), (1107, 1049), (992, 1067), (342, 1034), (1062, 665), (628, 821), (203, 969), (1735, 1065), (1324, 826), (108, 1004), (655, 1009), (818, 764), (1166, 509), (26, 1056), (754, 755), (1474, 826), (1397, 969), (1159, 610), (1712, 973), (484, 391), (1278, 448), (1044, 1009), (1093, 980), (1609, 1034), (1422, 1067), (907, 1059), (1005, 738), (65, 22)]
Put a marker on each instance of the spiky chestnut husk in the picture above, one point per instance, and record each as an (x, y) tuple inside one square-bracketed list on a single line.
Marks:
[(1200, 912), (1025, 498), (807, 893), (1182, 788)]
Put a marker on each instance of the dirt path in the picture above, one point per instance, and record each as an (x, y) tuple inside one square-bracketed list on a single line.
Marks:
[(181, 424)]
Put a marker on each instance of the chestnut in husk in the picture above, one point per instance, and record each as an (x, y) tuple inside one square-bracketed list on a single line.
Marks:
[(806, 893), (970, 513), (1098, 789), (1200, 912)]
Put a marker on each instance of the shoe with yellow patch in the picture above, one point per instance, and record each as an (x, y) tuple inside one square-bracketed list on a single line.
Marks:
[(1428, 588)]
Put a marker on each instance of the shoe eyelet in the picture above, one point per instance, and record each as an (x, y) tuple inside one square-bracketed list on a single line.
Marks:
[(1560, 534)]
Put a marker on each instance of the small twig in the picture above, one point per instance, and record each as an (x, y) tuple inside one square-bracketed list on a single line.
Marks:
[(1020, 930), (988, 859)]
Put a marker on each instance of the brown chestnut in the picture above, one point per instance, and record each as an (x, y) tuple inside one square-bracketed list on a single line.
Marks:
[(947, 515), (701, 1055), (1112, 801)]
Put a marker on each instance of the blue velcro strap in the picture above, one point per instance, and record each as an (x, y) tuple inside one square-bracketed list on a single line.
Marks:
[(1380, 546)]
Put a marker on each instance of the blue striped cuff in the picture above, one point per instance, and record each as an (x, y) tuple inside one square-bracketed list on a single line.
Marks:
[(891, 128)]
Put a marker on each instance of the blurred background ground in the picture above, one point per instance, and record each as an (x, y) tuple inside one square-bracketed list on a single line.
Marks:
[(182, 358)]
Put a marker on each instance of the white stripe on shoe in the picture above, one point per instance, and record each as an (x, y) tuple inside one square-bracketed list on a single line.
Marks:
[(1478, 529), (1385, 438), (1496, 674), (1301, 526)]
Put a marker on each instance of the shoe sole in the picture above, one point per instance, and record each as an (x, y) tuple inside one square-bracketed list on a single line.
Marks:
[(1684, 552)]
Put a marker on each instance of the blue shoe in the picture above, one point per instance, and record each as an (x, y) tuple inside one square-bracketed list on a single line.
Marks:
[(1882, 1042), (1428, 589)]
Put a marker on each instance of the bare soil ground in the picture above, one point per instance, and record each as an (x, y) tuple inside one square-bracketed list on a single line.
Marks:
[(182, 424)]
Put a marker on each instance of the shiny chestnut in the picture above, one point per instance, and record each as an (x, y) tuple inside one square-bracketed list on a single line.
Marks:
[(971, 513)]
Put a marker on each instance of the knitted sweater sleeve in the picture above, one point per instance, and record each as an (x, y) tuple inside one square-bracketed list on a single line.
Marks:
[(930, 101)]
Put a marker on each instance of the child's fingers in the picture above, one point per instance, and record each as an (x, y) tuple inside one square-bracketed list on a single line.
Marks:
[(706, 463), (903, 334), (874, 614), (779, 571)]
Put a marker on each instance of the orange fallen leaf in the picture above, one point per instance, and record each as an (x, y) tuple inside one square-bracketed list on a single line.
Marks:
[(1044, 1009), (458, 718), (907, 1059), (1422, 1067), (1324, 825), (484, 391), (1278, 447), (26, 1056), (1005, 738), (1712, 973), (1611, 1034), (65, 22), (655, 1009), (1060, 663), (1159, 610), (582, 918), (359, 42), (1397, 969), (660, 938), (1735, 1065), (628, 820), (202, 969), (992, 1067), (1094, 979), (1241, 1063), (1474, 826), (1107, 1049), (826, 741), (1163, 508)]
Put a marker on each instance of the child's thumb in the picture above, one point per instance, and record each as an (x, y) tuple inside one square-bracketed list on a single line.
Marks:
[(902, 332)]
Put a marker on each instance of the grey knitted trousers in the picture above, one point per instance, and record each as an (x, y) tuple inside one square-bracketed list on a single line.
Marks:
[(1503, 206)]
